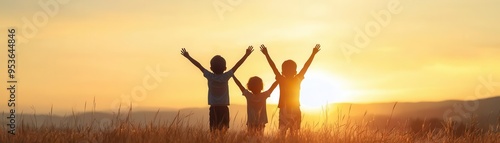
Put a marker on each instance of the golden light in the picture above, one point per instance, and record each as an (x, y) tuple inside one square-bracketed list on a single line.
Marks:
[(319, 89)]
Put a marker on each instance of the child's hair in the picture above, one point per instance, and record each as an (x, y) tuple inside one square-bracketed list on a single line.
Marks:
[(218, 64), (289, 68), (255, 84)]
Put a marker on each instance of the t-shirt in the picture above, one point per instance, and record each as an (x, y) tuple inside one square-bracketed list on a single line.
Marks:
[(289, 91), (218, 89), (256, 107)]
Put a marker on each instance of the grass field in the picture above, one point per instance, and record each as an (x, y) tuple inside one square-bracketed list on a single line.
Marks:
[(178, 130)]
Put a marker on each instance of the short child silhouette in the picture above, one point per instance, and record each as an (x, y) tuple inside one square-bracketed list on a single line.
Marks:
[(256, 103)]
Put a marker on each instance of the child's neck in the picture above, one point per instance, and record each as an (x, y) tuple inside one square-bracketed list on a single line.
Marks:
[(218, 73), (255, 92)]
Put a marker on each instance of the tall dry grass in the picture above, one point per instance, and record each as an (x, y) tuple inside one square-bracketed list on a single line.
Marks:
[(343, 130)]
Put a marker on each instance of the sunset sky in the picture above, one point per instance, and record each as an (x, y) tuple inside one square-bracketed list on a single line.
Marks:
[(428, 51)]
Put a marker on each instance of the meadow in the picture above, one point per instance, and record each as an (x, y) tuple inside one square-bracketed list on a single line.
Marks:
[(181, 129)]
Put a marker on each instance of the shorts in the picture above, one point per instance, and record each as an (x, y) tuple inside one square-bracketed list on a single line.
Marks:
[(219, 117), (290, 118)]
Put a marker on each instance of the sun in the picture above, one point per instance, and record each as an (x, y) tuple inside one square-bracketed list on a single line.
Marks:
[(319, 89)]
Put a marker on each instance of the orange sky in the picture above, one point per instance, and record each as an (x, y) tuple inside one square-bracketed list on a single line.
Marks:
[(428, 51)]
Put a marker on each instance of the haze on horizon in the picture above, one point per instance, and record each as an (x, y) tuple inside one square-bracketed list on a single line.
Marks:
[(429, 51)]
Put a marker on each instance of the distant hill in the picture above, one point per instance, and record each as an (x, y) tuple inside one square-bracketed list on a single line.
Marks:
[(484, 107), (487, 112)]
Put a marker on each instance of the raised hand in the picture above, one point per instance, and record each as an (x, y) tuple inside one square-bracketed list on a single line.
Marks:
[(316, 48), (303, 71), (195, 63), (249, 50), (263, 49), (185, 53), (247, 53)]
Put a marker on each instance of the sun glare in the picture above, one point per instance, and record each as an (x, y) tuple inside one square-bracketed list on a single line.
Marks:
[(317, 90)]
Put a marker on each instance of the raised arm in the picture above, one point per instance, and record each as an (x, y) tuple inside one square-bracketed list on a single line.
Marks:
[(263, 49), (195, 63), (273, 86), (309, 61), (238, 83), (247, 53)]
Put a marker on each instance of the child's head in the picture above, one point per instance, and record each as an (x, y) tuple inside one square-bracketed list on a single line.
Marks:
[(218, 64), (255, 84), (289, 68)]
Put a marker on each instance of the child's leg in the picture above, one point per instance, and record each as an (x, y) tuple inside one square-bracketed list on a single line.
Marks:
[(283, 121), (250, 129), (221, 117), (260, 130), (225, 118), (212, 118), (295, 121)]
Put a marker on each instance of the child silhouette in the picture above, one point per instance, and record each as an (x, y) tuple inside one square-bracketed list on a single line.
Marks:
[(256, 103), (289, 82), (218, 90)]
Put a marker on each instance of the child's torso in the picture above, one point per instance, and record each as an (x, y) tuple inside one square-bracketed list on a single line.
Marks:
[(218, 89), (289, 92), (256, 108)]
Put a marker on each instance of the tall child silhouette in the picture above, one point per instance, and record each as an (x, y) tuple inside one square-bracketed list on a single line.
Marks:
[(289, 82), (218, 90)]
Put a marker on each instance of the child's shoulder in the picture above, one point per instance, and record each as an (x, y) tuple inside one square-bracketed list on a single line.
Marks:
[(229, 72)]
